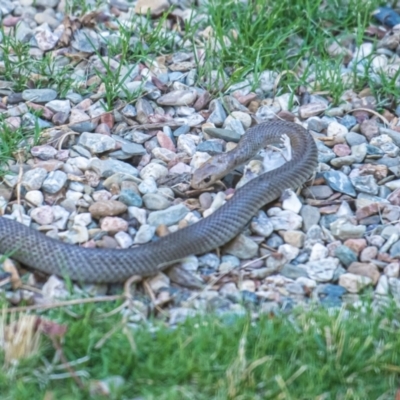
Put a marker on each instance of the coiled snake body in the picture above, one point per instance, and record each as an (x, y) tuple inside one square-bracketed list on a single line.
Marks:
[(51, 256)]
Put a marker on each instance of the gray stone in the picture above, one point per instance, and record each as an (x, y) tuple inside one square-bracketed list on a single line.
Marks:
[(130, 198), (144, 234), (153, 170), (218, 115), (325, 154), (349, 122), (39, 95), (54, 181), (319, 192), (354, 139), (261, 224), (34, 178), (345, 255), (170, 216), (318, 125), (345, 230), (107, 168), (365, 184), (30, 121), (224, 134), (178, 98), (339, 182), (242, 247), (310, 215), (209, 260), (395, 250), (322, 270), (155, 201), (293, 271), (59, 106), (211, 147), (97, 143), (182, 130), (85, 40), (284, 219)]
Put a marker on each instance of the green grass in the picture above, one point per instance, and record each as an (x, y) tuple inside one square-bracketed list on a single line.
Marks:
[(316, 354)]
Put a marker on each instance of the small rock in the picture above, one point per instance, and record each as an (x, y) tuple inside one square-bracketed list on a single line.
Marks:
[(170, 216), (145, 234), (153, 170), (107, 208), (54, 182), (97, 143), (365, 269), (242, 247), (155, 201), (339, 182), (322, 270), (284, 219), (345, 255), (354, 283), (123, 239), (43, 215), (261, 224), (112, 225), (34, 178)]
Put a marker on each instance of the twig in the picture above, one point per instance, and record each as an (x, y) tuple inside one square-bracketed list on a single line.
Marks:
[(153, 299), (58, 347), (381, 117)]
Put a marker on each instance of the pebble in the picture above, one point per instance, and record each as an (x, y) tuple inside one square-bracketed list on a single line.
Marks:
[(366, 269), (345, 255), (107, 208), (153, 170), (261, 224), (96, 143), (339, 182), (39, 95), (354, 283), (242, 247), (284, 219), (169, 216), (322, 270), (144, 234), (130, 198), (54, 182), (107, 168), (43, 215), (155, 201), (112, 225), (34, 178), (76, 234), (34, 197)]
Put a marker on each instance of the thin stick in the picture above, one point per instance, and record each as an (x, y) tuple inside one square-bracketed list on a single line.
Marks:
[(384, 120)]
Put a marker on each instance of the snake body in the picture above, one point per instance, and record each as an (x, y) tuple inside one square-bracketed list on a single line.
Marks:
[(51, 256)]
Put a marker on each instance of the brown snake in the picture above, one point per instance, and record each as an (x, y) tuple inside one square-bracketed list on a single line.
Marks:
[(51, 256)]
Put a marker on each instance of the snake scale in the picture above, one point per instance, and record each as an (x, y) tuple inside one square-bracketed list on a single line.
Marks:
[(96, 265)]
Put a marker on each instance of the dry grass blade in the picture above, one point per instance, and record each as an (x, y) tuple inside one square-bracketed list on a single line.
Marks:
[(20, 337)]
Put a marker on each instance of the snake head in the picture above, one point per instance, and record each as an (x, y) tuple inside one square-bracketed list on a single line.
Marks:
[(210, 172)]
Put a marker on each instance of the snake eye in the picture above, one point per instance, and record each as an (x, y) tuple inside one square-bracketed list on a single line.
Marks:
[(207, 179)]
